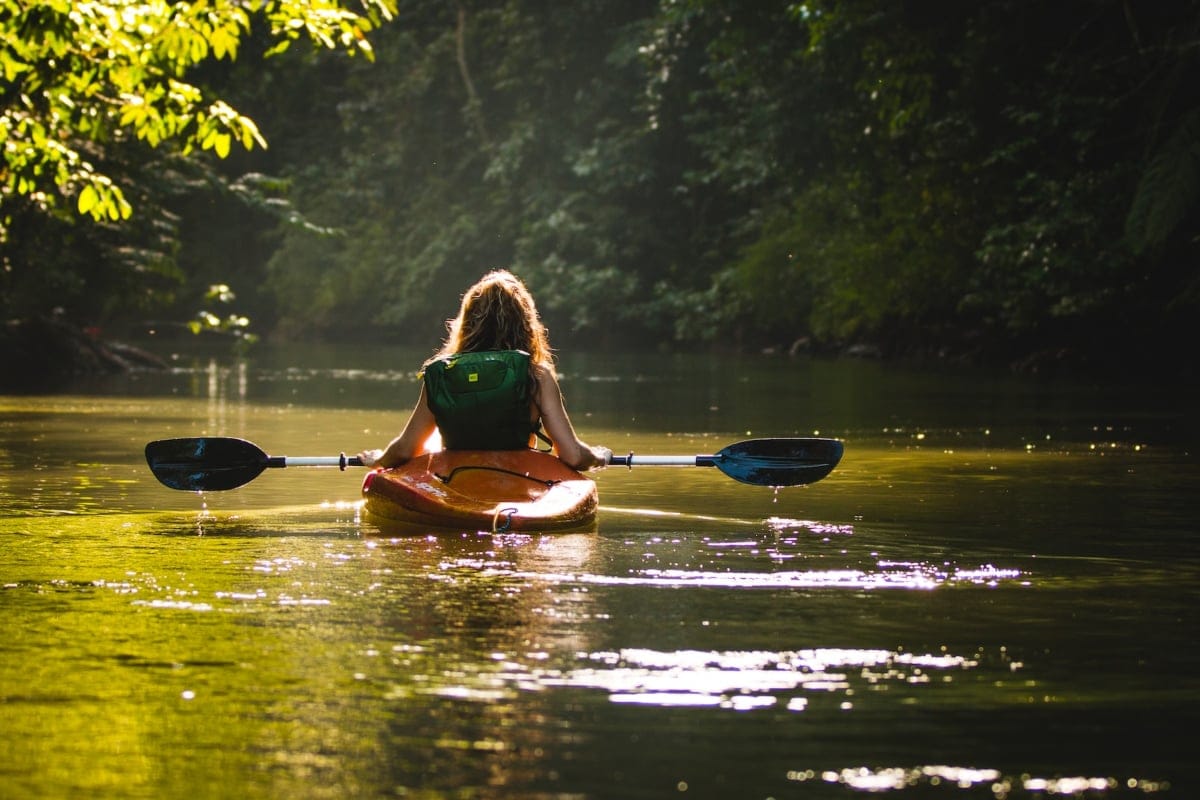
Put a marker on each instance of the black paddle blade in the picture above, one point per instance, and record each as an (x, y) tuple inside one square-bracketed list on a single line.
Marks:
[(205, 463), (779, 462)]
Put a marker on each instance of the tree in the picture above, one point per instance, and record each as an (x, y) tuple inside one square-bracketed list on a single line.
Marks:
[(97, 94), (492, 133), (992, 176)]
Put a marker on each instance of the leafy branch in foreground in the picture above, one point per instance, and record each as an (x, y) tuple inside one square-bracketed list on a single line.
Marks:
[(82, 75)]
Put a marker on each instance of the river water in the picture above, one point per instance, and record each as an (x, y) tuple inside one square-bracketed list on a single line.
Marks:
[(994, 595)]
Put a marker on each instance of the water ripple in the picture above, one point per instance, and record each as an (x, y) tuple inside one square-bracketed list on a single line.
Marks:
[(892, 575)]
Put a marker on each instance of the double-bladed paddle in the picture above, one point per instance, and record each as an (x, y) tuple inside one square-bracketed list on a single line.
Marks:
[(217, 463)]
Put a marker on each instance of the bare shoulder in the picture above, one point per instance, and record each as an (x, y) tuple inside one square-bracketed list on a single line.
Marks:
[(544, 375), (546, 387)]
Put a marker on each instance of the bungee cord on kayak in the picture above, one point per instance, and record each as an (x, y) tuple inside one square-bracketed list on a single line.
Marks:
[(486, 468)]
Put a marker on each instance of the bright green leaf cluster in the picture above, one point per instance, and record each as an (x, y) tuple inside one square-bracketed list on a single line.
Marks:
[(235, 325), (81, 75)]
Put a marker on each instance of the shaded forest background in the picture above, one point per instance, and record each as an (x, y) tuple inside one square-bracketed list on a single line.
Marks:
[(1002, 181)]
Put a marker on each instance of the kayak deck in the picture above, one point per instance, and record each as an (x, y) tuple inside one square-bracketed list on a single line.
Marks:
[(501, 490)]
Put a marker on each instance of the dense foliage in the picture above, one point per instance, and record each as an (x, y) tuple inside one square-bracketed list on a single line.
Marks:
[(99, 116), (987, 179)]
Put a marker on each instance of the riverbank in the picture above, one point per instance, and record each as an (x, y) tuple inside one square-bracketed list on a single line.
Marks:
[(43, 352)]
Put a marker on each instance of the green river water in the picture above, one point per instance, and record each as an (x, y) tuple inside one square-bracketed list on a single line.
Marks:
[(995, 594)]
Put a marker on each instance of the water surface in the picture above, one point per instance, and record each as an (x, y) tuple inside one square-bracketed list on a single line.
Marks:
[(994, 595)]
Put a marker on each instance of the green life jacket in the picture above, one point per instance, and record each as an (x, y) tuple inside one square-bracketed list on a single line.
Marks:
[(481, 400)]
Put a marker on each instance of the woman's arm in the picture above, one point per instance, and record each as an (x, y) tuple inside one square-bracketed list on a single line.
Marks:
[(410, 442), (567, 444)]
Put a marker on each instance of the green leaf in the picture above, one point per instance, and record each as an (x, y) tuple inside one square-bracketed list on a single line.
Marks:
[(87, 199)]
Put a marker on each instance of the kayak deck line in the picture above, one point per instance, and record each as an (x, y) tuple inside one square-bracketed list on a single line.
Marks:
[(467, 467)]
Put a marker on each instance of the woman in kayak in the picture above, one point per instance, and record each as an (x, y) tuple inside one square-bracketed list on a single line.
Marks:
[(492, 385)]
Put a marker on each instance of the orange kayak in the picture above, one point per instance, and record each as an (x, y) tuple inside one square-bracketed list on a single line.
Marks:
[(492, 490)]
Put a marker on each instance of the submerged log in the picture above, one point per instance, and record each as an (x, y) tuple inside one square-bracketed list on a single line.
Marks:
[(43, 351)]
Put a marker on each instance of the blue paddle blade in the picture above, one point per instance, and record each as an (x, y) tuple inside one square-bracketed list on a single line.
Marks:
[(778, 462), (205, 463)]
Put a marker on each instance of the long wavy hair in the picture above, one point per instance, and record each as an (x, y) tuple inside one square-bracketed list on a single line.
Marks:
[(498, 313)]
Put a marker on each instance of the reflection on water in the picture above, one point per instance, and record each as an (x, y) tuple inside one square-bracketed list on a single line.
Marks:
[(750, 679), (898, 576), (1000, 786), (994, 595)]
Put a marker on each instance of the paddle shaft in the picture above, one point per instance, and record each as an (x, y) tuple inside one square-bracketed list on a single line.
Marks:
[(314, 461), (632, 460)]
